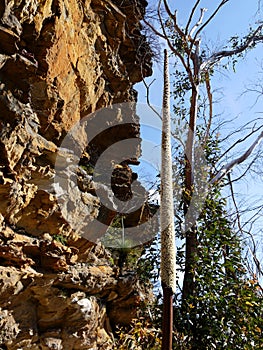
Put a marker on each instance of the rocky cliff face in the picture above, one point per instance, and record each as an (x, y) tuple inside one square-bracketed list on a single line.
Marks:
[(61, 60)]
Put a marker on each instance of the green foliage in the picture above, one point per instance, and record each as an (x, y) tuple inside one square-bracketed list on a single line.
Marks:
[(148, 266), (145, 330), (141, 335), (88, 168), (60, 238), (225, 311), (115, 235)]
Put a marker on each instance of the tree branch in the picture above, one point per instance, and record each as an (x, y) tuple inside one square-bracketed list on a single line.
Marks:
[(154, 29), (242, 128), (223, 2), (245, 172), (210, 101), (191, 16), (228, 167), (241, 230), (199, 22), (216, 57), (173, 17), (240, 140), (235, 203), (147, 87)]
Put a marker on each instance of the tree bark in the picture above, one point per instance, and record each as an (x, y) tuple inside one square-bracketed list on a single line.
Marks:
[(191, 236), (167, 322)]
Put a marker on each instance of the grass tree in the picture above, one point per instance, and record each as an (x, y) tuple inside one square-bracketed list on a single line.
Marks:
[(168, 248)]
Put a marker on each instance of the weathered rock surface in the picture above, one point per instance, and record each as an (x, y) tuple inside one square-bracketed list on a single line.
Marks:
[(61, 60)]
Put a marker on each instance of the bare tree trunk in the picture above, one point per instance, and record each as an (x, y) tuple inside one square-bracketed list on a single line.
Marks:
[(190, 255), (167, 322), (168, 249), (191, 235)]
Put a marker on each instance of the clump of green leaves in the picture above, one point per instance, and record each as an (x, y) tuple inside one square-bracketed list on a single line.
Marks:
[(225, 311), (60, 238), (141, 335)]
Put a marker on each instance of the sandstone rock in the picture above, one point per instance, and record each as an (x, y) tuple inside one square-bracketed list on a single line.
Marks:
[(60, 60)]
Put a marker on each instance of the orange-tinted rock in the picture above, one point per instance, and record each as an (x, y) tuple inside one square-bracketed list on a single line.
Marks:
[(59, 61)]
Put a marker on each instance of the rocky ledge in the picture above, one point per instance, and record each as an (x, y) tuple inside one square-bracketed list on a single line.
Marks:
[(60, 61)]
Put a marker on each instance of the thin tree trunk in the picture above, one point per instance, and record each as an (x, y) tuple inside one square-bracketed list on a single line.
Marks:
[(190, 254), (167, 322), (191, 236), (168, 249)]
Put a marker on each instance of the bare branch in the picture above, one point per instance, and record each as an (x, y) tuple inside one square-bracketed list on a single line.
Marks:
[(256, 261), (177, 54), (255, 215), (195, 41), (216, 57), (167, 8), (199, 22), (225, 169), (210, 101), (250, 209), (242, 128), (154, 29), (147, 87), (241, 227), (240, 140), (246, 171), (165, 36), (223, 2), (161, 21), (191, 16), (173, 17), (256, 88), (235, 203), (253, 251)]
